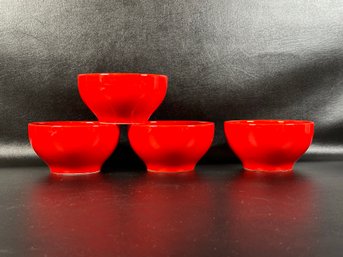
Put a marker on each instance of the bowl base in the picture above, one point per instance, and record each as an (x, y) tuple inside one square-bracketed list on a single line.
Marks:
[(268, 167), (169, 171), (74, 173), (158, 168), (268, 171)]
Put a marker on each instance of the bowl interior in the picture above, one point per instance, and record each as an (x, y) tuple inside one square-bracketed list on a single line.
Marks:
[(269, 122), (60, 124), (174, 123), (142, 75)]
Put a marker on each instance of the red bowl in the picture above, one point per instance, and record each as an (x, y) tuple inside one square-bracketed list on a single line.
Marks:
[(122, 97), (269, 145), (171, 146), (73, 147)]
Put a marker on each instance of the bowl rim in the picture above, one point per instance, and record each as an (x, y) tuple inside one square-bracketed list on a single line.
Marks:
[(269, 122), (173, 123), (113, 74), (71, 124)]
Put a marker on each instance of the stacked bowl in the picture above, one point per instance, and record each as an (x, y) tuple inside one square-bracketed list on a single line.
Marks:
[(81, 147)]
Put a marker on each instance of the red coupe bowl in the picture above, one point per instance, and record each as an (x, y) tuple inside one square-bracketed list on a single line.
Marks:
[(269, 145), (122, 97), (73, 147), (171, 146)]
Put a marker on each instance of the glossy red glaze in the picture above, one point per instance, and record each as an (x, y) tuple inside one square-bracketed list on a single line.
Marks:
[(269, 145), (122, 97), (171, 146), (73, 147)]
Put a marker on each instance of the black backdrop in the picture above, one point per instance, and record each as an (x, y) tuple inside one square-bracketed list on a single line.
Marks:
[(238, 59)]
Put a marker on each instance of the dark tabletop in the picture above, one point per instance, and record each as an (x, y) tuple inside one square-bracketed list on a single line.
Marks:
[(216, 211)]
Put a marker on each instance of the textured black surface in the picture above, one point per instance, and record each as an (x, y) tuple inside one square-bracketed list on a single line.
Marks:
[(233, 59), (217, 211)]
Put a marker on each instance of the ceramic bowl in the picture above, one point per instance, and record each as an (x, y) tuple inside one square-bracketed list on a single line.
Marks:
[(73, 147), (171, 146), (122, 97), (269, 145)]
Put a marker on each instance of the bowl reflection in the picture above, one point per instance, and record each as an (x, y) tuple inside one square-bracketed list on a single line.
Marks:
[(143, 215), (272, 213), (181, 214), (72, 216)]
